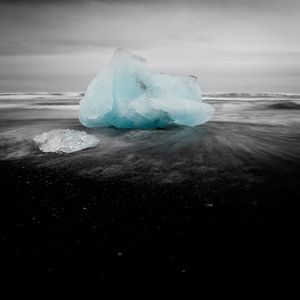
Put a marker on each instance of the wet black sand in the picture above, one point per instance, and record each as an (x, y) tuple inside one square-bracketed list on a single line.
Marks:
[(209, 204), (61, 230)]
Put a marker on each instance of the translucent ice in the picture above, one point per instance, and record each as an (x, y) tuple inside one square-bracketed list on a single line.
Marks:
[(65, 141), (126, 95)]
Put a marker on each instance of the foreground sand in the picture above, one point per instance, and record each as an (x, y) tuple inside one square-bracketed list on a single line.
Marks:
[(183, 203), (205, 204)]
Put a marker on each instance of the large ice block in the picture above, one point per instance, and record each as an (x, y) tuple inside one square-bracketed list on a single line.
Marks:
[(127, 95)]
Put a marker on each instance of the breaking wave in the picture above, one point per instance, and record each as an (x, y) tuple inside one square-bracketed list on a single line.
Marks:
[(284, 105), (251, 96)]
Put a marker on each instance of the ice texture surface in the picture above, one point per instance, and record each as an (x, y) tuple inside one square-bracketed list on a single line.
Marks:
[(65, 141), (127, 95)]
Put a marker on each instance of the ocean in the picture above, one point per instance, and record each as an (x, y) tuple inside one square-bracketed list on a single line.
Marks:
[(262, 108)]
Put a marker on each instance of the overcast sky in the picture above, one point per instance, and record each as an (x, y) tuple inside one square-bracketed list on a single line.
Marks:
[(231, 45)]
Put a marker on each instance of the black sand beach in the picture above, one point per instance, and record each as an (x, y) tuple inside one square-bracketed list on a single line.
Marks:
[(216, 201)]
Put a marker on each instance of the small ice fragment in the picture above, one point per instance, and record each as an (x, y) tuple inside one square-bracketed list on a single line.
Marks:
[(65, 141)]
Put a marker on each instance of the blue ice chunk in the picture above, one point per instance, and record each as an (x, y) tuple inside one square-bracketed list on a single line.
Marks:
[(127, 95)]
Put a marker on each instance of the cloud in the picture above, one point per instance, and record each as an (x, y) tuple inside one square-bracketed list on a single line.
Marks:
[(212, 38), (32, 27)]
